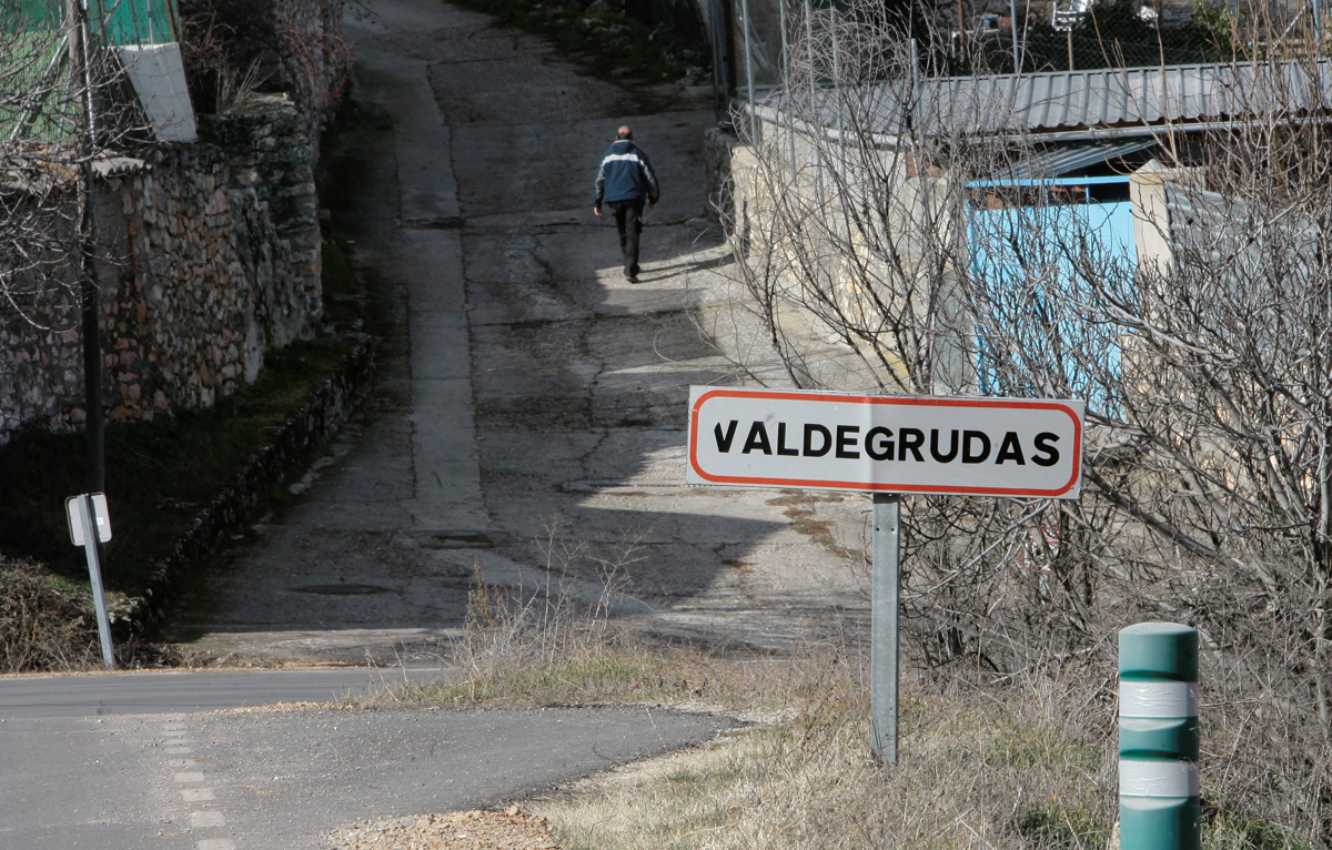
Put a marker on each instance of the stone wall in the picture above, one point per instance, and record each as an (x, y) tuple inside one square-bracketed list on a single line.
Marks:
[(313, 56), (211, 257), (234, 509), (297, 46)]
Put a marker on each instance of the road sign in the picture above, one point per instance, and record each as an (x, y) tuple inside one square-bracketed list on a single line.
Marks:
[(885, 444), (1065, 18), (89, 522), (73, 513)]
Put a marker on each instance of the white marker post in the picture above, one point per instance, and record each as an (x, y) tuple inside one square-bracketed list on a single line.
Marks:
[(885, 445), (89, 523)]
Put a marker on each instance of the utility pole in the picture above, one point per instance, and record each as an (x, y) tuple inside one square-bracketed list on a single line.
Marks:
[(962, 34), (86, 131), (1013, 35)]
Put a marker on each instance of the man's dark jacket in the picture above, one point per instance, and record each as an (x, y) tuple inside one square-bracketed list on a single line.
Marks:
[(626, 174)]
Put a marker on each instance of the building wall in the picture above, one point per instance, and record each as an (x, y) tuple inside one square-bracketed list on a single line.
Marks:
[(745, 183), (211, 258)]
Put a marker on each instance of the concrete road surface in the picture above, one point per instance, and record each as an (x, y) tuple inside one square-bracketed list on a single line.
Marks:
[(528, 425), (259, 779)]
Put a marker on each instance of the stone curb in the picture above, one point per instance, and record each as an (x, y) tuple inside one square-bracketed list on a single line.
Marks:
[(238, 505)]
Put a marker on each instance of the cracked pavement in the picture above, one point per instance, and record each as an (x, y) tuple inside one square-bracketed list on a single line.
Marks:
[(530, 414)]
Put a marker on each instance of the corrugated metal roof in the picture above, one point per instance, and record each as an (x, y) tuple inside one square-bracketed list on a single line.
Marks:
[(1065, 160), (1108, 97)]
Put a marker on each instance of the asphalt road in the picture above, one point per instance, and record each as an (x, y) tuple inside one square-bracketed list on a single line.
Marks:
[(35, 697), (142, 761)]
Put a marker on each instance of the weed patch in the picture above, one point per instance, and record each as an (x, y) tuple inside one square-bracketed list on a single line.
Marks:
[(44, 623), (1061, 828), (1029, 764)]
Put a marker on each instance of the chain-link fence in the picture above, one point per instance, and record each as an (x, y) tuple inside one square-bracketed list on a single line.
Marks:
[(770, 37)]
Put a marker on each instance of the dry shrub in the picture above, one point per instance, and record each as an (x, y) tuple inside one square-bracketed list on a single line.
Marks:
[(1003, 769), (41, 626), (1023, 758), (1028, 765)]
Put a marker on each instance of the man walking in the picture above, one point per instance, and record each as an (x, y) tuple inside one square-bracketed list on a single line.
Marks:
[(624, 180)]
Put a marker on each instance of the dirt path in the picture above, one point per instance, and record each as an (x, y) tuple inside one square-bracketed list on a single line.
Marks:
[(531, 414)]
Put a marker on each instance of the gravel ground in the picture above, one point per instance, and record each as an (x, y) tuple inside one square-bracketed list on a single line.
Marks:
[(511, 829)]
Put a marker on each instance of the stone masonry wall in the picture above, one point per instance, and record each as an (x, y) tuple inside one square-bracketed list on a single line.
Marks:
[(213, 258), (315, 62)]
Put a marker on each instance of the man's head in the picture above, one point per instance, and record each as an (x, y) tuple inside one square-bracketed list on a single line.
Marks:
[(624, 132)]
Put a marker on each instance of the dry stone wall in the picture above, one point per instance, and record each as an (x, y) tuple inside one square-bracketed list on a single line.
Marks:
[(312, 54), (211, 258)]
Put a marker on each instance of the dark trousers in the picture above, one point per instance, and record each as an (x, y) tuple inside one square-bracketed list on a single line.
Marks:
[(629, 221)]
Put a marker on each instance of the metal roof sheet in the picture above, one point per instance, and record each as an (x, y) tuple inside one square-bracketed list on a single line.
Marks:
[(1098, 98), (1067, 159)]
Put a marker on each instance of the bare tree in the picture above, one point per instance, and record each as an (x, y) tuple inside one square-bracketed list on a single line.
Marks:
[(64, 105), (867, 202), (849, 215)]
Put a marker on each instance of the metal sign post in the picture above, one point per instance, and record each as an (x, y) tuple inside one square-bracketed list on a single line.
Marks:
[(885, 627), (89, 524), (887, 446)]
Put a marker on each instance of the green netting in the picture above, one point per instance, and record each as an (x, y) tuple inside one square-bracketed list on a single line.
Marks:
[(30, 15), (33, 60), (112, 21), (133, 21)]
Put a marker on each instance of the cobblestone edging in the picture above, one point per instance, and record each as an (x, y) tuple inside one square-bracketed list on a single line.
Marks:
[(237, 506)]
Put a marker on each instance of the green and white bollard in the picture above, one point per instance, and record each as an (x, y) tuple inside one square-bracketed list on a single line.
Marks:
[(1158, 738)]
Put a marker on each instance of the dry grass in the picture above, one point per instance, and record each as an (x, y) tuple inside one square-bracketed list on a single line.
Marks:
[(1029, 764), (1017, 768), (974, 773)]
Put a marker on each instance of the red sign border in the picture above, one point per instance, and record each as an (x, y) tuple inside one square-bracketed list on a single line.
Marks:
[(913, 401)]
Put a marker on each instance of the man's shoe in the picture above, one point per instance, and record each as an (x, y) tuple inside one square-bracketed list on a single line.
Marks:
[(632, 278)]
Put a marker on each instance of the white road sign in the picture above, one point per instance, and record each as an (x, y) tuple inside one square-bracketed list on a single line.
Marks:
[(891, 444), (74, 512)]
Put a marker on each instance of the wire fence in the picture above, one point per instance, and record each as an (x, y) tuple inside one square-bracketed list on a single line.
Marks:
[(1044, 49), (1114, 35)]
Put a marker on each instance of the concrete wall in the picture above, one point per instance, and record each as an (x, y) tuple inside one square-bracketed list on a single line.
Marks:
[(212, 258), (743, 190)]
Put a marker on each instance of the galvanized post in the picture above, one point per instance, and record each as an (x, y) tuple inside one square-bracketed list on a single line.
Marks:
[(813, 98), (755, 129), (885, 592), (1317, 13), (91, 547), (1158, 738), (1013, 35)]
